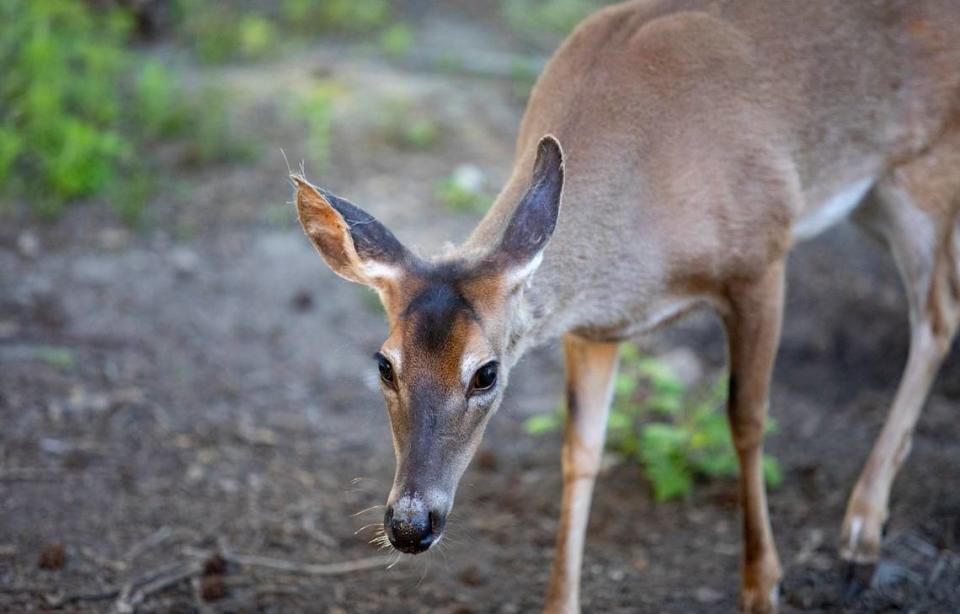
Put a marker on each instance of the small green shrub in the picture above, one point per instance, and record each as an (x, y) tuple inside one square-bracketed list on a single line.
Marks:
[(158, 98), (57, 357), (397, 40), (677, 435), (552, 17), (218, 32), (407, 127), (458, 194), (79, 111), (257, 36), (351, 16), (58, 106), (316, 108)]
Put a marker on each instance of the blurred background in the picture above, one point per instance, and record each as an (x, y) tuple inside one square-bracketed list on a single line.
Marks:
[(189, 415)]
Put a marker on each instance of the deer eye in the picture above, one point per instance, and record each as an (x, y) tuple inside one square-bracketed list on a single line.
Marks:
[(386, 369), (485, 378)]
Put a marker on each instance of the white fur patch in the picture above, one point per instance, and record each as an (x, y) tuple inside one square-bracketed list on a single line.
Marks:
[(469, 366), (856, 524), (832, 211), (394, 359), (377, 270), (520, 275)]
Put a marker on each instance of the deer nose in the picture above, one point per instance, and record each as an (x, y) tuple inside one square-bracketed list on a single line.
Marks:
[(411, 526)]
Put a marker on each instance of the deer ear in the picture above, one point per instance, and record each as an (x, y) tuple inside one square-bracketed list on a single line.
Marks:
[(352, 242), (535, 218)]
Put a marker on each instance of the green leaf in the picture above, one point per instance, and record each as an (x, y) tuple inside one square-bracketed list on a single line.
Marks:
[(670, 480), (541, 423), (667, 403), (772, 473), (619, 421)]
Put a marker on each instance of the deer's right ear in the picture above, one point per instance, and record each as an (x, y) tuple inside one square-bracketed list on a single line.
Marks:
[(352, 242)]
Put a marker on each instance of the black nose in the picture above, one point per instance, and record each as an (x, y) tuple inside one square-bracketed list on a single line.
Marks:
[(411, 526)]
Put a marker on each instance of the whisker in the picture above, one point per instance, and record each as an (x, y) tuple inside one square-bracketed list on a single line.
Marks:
[(369, 509), (367, 526), (426, 568), (396, 560)]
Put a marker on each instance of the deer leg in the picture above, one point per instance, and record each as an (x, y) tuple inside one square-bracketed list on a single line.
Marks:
[(590, 369), (913, 212), (753, 333)]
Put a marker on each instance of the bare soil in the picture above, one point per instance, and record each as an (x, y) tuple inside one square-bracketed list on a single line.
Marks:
[(204, 385)]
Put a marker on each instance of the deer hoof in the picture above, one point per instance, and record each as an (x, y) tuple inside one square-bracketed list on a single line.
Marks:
[(757, 601)]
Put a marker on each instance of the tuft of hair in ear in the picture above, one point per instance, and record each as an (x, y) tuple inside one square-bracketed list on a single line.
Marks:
[(351, 241), (535, 218)]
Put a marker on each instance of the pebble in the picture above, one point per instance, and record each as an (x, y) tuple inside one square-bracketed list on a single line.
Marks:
[(469, 177), (705, 594), (28, 244), (185, 261)]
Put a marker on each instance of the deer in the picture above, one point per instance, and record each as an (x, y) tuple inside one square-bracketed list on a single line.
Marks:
[(671, 155)]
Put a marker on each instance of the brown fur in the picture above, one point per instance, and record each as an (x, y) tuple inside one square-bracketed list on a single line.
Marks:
[(701, 140)]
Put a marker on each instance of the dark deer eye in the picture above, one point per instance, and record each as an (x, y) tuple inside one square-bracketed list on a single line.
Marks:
[(485, 377), (386, 369)]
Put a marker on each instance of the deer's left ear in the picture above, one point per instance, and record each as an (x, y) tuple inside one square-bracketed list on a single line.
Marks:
[(533, 222), (352, 242)]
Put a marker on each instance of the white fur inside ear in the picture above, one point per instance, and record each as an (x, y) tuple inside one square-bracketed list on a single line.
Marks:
[(379, 270), (519, 275)]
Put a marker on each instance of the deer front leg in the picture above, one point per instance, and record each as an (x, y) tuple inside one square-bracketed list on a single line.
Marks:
[(590, 368), (753, 333)]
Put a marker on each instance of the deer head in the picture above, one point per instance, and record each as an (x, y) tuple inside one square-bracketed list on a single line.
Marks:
[(445, 364)]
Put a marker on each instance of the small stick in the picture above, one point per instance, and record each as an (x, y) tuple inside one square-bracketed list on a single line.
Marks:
[(155, 539), (325, 569), (135, 592)]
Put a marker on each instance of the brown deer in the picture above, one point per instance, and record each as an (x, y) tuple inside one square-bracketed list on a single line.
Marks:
[(700, 141)]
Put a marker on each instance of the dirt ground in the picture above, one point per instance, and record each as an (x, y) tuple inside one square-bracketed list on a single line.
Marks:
[(205, 385)]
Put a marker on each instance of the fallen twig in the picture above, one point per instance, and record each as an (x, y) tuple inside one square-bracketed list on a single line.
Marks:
[(155, 539), (136, 591), (314, 569), (30, 474)]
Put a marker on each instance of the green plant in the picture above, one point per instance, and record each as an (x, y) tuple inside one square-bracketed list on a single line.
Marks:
[(397, 40), (316, 109), (218, 32), (58, 99), (351, 16), (57, 357), (462, 191), (79, 111), (209, 138), (677, 435), (158, 98), (554, 17), (407, 127), (257, 36)]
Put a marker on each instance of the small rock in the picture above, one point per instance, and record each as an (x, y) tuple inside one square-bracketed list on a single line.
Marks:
[(8, 329), (302, 301), (185, 261), (53, 557), (212, 588), (28, 244), (469, 177), (214, 566), (705, 594), (114, 238)]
